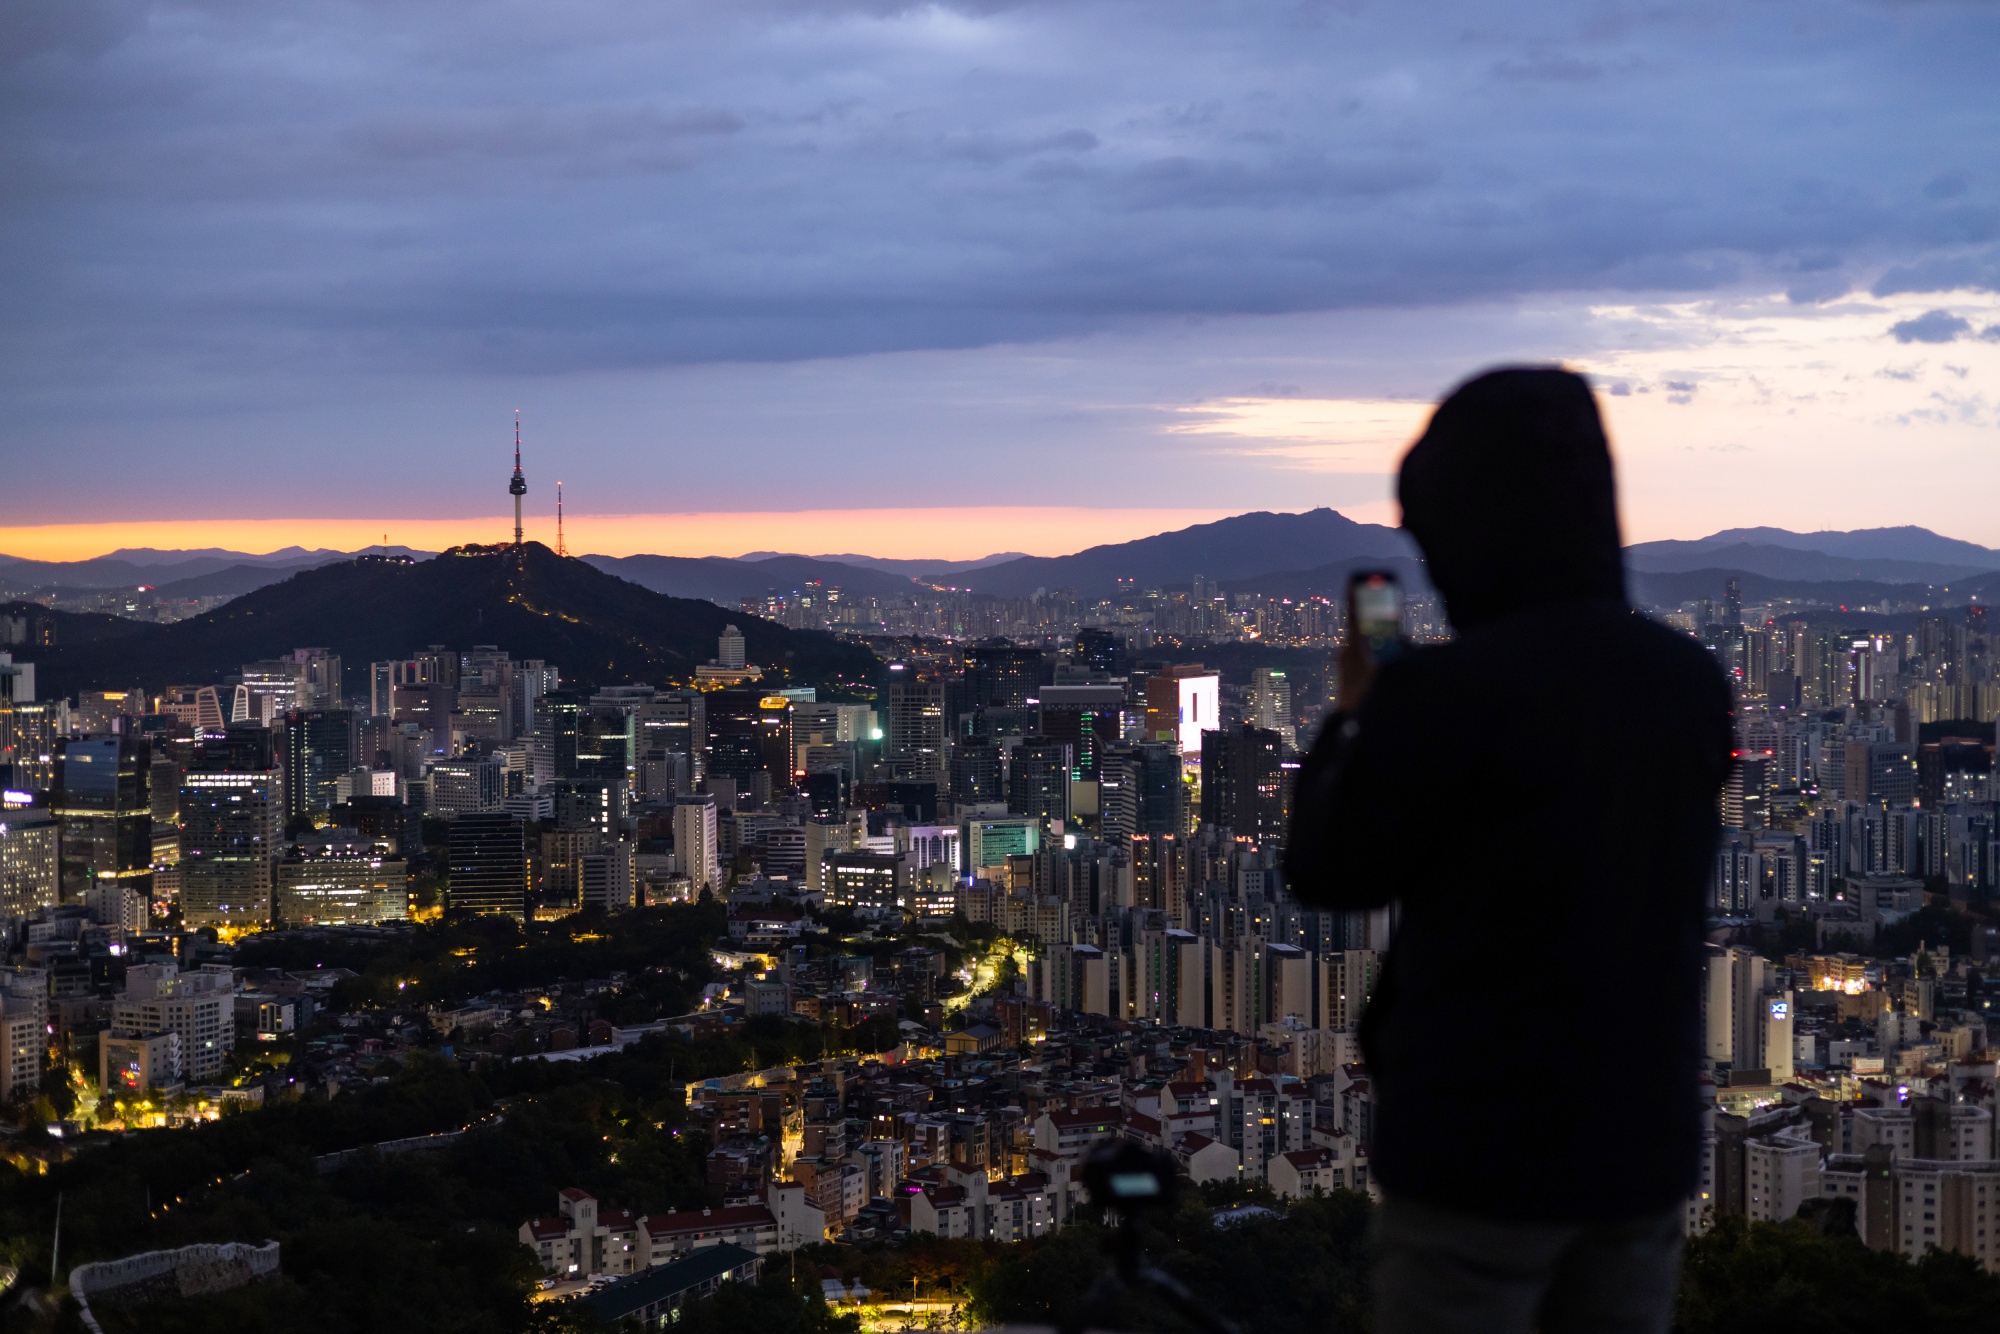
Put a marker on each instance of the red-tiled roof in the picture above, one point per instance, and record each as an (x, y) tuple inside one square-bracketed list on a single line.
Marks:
[(574, 1194), (548, 1229), (709, 1220), (1309, 1158)]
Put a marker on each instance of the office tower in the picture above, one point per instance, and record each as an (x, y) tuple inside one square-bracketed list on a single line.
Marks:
[(1158, 792), (561, 727), (1038, 778), (1242, 782), (534, 678), (102, 801), (267, 690), (28, 732), (831, 736), (729, 649), (1088, 717), (487, 865), (675, 722), (485, 711), (749, 732), (695, 842), (232, 808), (30, 877), (1181, 704), (466, 786), (1743, 793), (987, 844), (107, 711), (865, 880), (342, 877), (1879, 772), (318, 678), (318, 750), (1101, 651), (197, 1010), (998, 675), (976, 771), (1270, 703), (914, 735)]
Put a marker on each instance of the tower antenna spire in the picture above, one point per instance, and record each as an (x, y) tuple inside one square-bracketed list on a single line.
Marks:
[(518, 487), (561, 550)]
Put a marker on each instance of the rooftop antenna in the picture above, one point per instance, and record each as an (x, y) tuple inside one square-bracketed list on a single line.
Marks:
[(518, 487)]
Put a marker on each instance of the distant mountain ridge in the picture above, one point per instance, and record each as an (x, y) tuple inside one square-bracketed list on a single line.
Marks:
[(913, 568), (129, 567), (1235, 548), (1906, 555)]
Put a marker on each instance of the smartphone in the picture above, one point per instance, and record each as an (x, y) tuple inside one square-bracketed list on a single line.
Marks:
[(1375, 609)]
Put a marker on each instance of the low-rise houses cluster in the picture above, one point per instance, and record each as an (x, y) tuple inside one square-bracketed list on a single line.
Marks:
[(1866, 1086)]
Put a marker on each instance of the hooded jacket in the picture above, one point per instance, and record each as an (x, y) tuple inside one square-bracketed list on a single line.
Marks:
[(1536, 802)]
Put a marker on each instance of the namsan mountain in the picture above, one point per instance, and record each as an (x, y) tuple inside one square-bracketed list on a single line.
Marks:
[(597, 628)]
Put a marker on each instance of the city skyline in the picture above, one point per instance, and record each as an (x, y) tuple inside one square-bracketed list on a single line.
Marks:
[(933, 257)]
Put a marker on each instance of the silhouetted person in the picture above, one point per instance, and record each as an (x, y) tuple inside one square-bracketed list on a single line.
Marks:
[(1538, 799)]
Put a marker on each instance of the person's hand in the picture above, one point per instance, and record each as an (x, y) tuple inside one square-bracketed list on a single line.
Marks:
[(1357, 673)]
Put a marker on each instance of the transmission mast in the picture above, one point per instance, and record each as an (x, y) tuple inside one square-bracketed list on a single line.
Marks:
[(519, 486)]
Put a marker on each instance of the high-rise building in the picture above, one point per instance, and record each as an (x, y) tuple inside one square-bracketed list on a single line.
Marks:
[(605, 878), (1270, 702), (1101, 651), (319, 750), (467, 786), (1090, 718), (102, 799), (749, 732), (729, 649), (232, 809), (1181, 704), (342, 877), (914, 741), (29, 858), (998, 675), (976, 771), (675, 723), (1150, 783), (28, 732), (1038, 778), (1242, 782), (695, 842), (487, 865), (318, 675)]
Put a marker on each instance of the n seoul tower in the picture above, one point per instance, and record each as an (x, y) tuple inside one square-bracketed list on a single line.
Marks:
[(519, 486)]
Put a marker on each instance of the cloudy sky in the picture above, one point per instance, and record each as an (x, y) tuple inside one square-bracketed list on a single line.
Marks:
[(937, 279)]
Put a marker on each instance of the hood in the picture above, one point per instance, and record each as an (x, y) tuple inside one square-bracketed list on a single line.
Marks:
[(1509, 492)]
